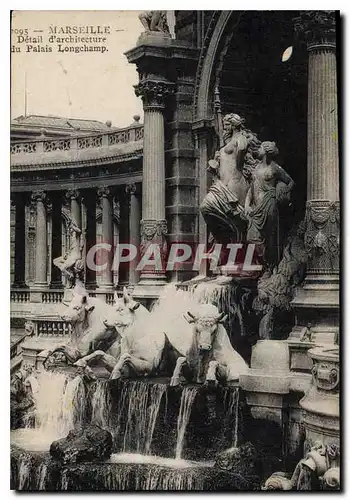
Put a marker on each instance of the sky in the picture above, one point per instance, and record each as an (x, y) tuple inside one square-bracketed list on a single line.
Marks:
[(87, 85)]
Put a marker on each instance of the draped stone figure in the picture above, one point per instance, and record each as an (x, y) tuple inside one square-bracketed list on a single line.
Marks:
[(71, 264), (270, 186), (223, 206)]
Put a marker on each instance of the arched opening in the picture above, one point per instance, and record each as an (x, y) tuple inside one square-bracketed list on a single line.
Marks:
[(243, 58)]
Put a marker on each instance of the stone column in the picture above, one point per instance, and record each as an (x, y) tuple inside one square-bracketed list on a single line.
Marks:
[(56, 241), (90, 236), (107, 234), (317, 303), (75, 207), (153, 224), (39, 198), (19, 270), (134, 229), (124, 233)]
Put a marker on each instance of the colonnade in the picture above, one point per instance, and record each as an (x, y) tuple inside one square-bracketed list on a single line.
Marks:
[(82, 205)]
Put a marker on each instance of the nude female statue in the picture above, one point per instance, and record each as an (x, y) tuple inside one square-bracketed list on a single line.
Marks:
[(223, 206), (67, 263), (270, 185)]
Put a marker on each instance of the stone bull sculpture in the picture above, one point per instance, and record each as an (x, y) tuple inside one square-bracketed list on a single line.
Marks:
[(203, 352), (87, 315), (209, 356)]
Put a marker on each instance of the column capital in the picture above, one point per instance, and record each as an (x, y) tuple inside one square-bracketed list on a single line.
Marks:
[(154, 92), (72, 194), (131, 188), (38, 196), (318, 27), (104, 192)]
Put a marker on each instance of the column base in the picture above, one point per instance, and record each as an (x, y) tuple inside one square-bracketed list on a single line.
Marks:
[(36, 291)]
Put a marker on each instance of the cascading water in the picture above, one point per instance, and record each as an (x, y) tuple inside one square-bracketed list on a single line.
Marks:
[(142, 402), (59, 406), (141, 415), (101, 405), (231, 405), (187, 399)]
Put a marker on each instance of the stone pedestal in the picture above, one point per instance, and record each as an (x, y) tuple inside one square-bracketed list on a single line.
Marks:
[(317, 302), (268, 379), (321, 403)]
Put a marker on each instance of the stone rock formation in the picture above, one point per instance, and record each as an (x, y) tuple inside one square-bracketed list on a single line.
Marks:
[(85, 444)]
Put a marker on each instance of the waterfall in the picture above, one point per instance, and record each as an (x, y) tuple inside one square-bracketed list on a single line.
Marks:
[(187, 398), (59, 403), (24, 472), (101, 405), (171, 480), (231, 405), (143, 402), (41, 476)]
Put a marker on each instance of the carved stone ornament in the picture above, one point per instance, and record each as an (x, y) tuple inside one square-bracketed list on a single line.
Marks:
[(72, 194), (130, 189), (153, 230), (322, 239), (153, 92), (326, 376), (318, 27), (103, 192), (39, 196)]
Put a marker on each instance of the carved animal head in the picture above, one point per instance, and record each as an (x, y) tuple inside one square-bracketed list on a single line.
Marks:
[(78, 307), (206, 321), (124, 312), (238, 459)]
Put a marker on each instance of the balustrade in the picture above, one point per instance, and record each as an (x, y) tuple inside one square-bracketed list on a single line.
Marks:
[(53, 328), (52, 297), (121, 136), (20, 296)]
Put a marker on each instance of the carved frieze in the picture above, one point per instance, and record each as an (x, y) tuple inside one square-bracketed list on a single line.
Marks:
[(322, 240)]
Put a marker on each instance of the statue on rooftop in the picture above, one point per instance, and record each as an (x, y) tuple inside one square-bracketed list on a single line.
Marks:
[(154, 21), (71, 264)]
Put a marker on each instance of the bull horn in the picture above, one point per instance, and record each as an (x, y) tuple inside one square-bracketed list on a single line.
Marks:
[(115, 296), (222, 317), (190, 318)]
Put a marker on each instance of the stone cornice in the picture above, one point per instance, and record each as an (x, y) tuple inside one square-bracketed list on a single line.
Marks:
[(173, 50)]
